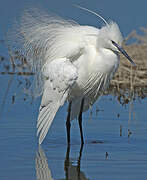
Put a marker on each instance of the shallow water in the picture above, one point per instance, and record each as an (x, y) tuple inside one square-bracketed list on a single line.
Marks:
[(105, 154)]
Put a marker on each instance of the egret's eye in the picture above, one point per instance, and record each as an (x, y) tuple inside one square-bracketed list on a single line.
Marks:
[(114, 43)]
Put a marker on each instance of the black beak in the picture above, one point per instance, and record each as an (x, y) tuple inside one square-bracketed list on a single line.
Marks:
[(123, 52)]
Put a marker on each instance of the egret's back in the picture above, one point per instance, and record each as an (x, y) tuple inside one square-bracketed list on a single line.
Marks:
[(43, 38)]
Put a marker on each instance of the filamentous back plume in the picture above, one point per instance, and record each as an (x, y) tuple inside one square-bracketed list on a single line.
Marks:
[(40, 37)]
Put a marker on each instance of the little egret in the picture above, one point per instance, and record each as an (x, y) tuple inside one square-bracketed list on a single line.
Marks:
[(73, 63)]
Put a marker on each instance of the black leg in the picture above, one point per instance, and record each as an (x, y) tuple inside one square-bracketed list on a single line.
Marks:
[(80, 121), (67, 162), (79, 161), (68, 123)]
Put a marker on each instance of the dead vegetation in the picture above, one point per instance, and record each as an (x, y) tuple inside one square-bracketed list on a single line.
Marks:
[(131, 82)]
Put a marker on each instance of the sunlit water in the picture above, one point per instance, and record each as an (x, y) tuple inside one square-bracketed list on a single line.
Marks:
[(105, 155)]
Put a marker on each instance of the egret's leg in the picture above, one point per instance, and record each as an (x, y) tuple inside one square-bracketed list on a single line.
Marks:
[(67, 162), (80, 121), (79, 161), (68, 123)]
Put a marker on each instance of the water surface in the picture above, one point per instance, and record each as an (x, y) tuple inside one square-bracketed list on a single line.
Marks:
[(105, 155)]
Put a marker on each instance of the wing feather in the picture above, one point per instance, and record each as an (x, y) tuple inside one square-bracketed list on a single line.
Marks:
[(46, 121), (43, 117), (60, 75)]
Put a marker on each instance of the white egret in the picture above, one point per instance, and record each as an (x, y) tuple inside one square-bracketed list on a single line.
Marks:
[(73, 63)]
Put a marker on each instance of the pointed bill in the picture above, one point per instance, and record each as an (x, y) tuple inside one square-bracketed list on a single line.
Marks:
[(123, 52)]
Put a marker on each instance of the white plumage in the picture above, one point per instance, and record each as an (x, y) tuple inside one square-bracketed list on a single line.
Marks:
[(60, 76), (71, 62)]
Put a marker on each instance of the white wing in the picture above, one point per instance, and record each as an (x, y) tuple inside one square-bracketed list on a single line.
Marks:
[(60, 75)]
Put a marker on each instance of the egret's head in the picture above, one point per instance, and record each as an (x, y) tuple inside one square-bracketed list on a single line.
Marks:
[(110, 33), (111, 38)]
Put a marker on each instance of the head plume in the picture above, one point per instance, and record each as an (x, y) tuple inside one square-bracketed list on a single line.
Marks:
[(96, 14)]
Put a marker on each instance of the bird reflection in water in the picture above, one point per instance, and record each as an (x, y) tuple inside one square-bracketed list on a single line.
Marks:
[(42, 170), (72, 172)]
